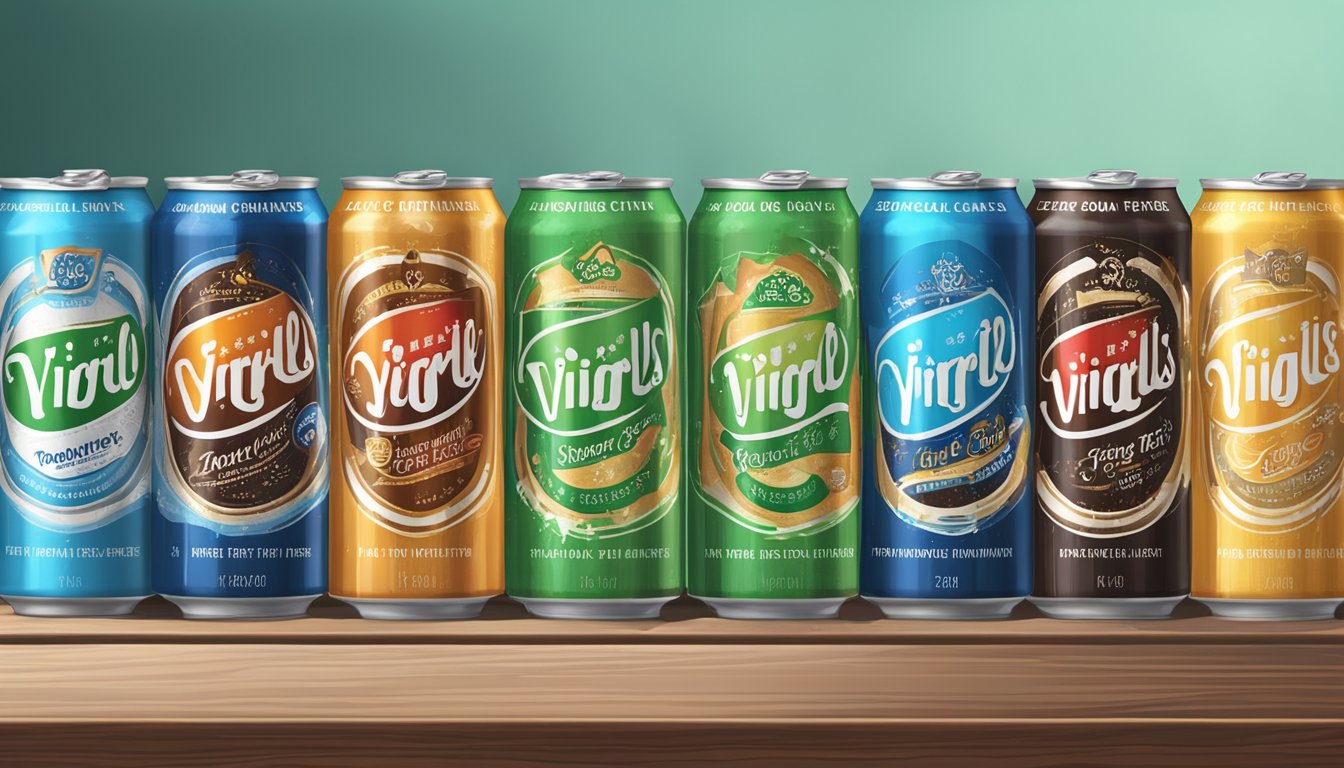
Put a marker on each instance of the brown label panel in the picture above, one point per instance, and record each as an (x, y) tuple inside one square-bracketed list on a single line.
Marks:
[(413, 336), (241, 367), (1110, 389)]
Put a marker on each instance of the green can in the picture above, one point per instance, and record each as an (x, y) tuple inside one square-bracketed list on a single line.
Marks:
[(594, 266), (773, 521)]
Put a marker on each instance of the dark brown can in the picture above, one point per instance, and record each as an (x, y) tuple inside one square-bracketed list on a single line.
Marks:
[(1112, 454)]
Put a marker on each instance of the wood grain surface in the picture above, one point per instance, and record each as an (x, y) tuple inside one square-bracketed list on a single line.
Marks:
[(335, 690), (1111, 743)]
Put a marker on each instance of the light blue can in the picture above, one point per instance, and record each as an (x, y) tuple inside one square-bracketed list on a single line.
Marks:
[(74, 438), (947, 295)]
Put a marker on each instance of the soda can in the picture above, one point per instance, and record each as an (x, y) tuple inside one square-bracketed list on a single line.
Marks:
[(773, 403), (417, 519), (947, 492), (240, 438), (1267, 520), (1112, 458), (593, 514), (74, 442)]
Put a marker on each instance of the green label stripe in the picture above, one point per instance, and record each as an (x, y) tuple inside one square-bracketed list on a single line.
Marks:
[(782, 394), (582, 369), (591, 501), (783, 500), (770, 382), (70, 377), (829, 434), (779, 290), (592, 270), (590, 383)]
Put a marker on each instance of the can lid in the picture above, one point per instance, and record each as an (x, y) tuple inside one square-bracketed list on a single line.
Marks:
[(778, 181), (76, 180), (947, 181), (1274, 181), (415, 180), (1108, 179), (593, 180), (241, 181)]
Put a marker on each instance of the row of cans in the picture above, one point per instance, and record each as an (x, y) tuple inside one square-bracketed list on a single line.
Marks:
[(946, 404)]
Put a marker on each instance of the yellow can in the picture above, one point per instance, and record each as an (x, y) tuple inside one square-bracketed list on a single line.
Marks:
[(1268, 530), (415, 272)]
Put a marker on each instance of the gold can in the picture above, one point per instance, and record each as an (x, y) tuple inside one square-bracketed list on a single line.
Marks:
[(415, 269), (1268, 530)]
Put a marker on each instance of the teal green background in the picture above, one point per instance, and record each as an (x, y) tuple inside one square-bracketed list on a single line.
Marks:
[(687, 89)]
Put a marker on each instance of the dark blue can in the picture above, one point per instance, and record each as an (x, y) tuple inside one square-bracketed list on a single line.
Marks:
[(240, 435), (75, 323), (947, 291)]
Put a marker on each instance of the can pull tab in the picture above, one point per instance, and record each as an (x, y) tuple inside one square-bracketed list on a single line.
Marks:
[(84, 178), (1287, 179), (1113, 178), (255, 179), (421, 178), (956, 178), (789, 179), (611, 177)]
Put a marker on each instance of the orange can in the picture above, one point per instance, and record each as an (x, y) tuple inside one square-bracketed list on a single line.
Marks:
[(1268, 527), (415, 266)]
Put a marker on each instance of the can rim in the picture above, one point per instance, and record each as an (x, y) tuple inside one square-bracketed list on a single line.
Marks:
[(1273, 181), (947, 181), (412, 181), (241, 181), (75, 180), (778, 181), (1108, 179), (593, 180)]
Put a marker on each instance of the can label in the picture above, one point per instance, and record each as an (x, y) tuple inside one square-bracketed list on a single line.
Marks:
[(1270, 354), (953, 443), (244, 427), (1111, 398), (596, 448), (414, 335), (74, 400), (780, 413)]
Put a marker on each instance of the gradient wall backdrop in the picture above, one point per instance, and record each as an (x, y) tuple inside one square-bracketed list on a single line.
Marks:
[(690, 88)]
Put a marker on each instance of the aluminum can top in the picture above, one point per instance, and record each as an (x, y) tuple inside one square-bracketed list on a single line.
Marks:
[(241, 181), (415, 181), (778, 181), (1274, 181), (1108, 179), (593, 180), (76, 180), (947, 181)]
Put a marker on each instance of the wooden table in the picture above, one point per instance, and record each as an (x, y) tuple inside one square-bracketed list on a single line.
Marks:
[(335, 690)]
